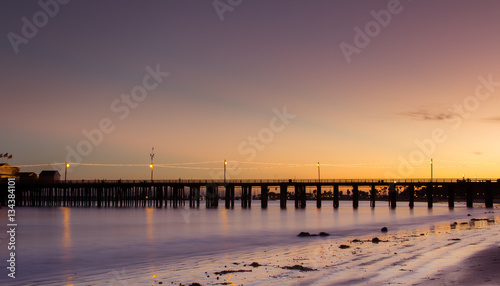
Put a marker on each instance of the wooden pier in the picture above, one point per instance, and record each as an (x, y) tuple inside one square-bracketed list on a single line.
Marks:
[(175, 193)]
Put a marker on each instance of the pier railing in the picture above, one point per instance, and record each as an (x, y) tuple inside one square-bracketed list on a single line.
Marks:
[(288, 181)]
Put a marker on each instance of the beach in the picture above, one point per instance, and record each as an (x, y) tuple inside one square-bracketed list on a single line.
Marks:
[(465, 253), (481, 268), (135, 246)]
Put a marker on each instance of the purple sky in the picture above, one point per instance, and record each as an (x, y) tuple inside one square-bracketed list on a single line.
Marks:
[(424, 71)]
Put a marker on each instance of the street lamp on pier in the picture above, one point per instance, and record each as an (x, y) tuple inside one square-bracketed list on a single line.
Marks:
[(152, 155), (319, 178), (225, 164), (66, 172), (432, 170)]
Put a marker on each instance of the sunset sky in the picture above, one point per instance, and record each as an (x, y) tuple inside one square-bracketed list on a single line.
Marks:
[(275, 86)]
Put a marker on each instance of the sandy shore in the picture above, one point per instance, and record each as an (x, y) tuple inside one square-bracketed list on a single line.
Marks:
[(465, 253), (481, 268)]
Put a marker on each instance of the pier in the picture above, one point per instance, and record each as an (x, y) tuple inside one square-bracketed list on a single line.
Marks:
[(176, 193)]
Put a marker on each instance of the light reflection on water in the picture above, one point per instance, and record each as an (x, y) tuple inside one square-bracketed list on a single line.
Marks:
[(72, 240), (66, 241), (150, 223)]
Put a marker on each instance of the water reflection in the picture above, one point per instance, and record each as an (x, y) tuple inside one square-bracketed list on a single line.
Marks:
[(355, 215), (66, 239), (67, 242), (150, 224), (225, 221), (393, 214), (430, 211), (318, 216)]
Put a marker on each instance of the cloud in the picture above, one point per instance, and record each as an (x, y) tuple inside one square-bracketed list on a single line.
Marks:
[(427, 116), (496, 118), (477, 153)]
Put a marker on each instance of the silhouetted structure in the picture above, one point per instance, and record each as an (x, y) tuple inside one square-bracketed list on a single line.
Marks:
[(30, 177), (50, 191), (49, 176)]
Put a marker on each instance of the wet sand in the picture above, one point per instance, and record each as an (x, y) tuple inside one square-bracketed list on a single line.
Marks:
[(465, 253), (481, 268), (443, 254)]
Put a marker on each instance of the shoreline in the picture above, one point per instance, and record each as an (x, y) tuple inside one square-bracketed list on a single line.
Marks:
[(433, 254), (415, 254), (480, 268)]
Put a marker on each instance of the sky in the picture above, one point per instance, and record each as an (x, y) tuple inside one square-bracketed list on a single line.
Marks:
[(369, 89)]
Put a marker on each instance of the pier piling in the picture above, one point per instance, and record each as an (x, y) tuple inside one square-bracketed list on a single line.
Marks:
[(393, 195), (336, 196), (318, 196), (246, 196), (263, 196), (229, 199), (451, 197), (212, 196), (411, 194), (430, 193), (373, 194), (470, 195), (283, 196), (488, 195), (300, 196), (355, 196)]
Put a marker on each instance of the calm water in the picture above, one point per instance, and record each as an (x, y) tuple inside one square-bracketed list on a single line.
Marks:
[(54, 243)]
